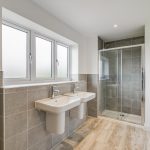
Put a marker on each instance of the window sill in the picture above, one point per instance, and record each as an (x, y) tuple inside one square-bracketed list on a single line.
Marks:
[(36, 84)]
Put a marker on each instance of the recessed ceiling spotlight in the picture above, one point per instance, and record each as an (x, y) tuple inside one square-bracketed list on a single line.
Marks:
[(115, 25)]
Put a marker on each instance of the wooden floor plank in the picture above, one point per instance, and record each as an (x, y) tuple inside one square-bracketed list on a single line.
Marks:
[(107, 134)]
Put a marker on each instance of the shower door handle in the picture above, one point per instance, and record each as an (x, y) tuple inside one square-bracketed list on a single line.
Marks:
[(142, 80), (142, 86)]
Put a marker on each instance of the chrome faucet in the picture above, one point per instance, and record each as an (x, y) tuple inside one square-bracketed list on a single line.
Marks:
[(75, 88), (54, 90)]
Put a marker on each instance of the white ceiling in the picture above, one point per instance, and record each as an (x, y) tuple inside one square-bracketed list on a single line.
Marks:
[(97, 17)]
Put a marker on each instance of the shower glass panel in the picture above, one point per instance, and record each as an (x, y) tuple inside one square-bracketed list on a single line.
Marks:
[(121, 91)]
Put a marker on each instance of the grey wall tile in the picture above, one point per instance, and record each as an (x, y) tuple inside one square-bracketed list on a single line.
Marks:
[(1, 78), (17, 142), (136, 52), (92, 86), (80, 86), (38, 94), (1, 90), (83, 77), (109, 45), (124, 42), (15, 124), (138, 40), (100, 43), (92, 107), (64, 88), (1, 104), (35, 117), (15, 102), (39, 87), (15, 90), (1, 145), (36, 134), (1, 127), (74, 123), (44, 144)]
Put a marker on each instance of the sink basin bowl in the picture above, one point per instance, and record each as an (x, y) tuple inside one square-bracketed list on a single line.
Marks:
[(85, 96), (55, 111), (58, 104)]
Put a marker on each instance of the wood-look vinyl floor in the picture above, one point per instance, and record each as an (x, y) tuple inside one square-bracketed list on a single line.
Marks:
[(107, 134)]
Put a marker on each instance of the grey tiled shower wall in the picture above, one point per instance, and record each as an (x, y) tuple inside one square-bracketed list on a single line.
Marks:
[(124, 42), (24, 125)]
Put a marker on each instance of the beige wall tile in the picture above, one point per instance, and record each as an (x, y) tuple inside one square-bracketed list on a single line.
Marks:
[(1, 127), (36, 134), (44, 144), (34, 95), (15, 102), (1, 144), (15, 90), (15, 124), (1, 105), (35, 117), (17, 142)]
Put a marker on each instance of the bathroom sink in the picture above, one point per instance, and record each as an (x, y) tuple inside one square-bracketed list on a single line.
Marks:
[(85, 96), (55, 111), (58, 104)]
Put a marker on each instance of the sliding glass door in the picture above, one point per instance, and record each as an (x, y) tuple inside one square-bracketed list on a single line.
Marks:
[(121, 83)]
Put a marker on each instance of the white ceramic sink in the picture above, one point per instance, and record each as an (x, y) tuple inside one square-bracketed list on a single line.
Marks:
[(85, 96), (58, 104), (55, 111)]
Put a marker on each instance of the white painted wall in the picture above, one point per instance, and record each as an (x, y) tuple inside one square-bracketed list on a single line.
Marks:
[(31, 11), (147, 75), (92, 55)]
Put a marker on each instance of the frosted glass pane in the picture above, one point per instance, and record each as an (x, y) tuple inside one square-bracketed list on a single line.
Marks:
[(62, 59), (14, 46), (43, 58)]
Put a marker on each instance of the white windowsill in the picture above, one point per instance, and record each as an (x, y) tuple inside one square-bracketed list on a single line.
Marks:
[(36, 84)]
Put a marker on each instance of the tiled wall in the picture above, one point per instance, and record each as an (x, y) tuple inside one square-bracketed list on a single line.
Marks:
[(25, 126), (92, 86), (124, 42), (131, 81)]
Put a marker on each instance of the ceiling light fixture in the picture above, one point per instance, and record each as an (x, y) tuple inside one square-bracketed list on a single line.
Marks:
[(115, 25)]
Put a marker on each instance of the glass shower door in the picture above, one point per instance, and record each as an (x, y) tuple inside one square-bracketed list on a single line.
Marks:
[(121, 84), (132, 83), (110, 82)]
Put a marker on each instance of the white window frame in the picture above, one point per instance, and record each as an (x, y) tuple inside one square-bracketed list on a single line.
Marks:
[(33, 70), (23, 29), (31, 57), (68, 63)]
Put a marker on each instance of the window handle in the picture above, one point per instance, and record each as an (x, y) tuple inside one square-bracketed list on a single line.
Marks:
[(57, 62), (30, 57)]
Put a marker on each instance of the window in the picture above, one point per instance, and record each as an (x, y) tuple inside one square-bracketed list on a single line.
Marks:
[(31, 56), (14, 45), (43, 58), (104, 68), (62, 61)]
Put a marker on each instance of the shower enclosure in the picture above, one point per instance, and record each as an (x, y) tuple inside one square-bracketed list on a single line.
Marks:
[(121, 80)]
